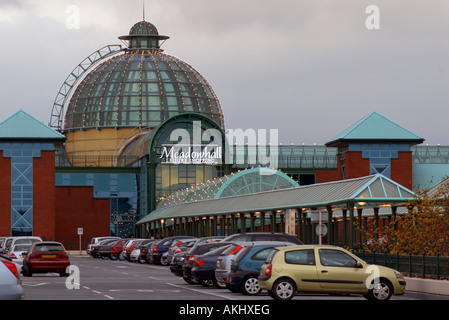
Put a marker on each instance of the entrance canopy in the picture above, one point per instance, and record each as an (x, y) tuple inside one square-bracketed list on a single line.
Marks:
[(373, 191)]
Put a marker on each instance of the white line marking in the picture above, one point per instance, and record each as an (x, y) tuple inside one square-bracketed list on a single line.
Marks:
[(201, 291)]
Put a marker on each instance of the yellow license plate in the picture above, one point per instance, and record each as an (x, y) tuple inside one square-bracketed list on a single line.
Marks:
[(48, 256)]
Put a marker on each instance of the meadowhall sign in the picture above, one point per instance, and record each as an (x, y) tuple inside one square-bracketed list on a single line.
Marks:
[(207, 146), (205, 155)]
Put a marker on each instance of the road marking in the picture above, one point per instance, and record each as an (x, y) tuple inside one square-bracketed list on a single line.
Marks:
[(201, 291), (34, 285)]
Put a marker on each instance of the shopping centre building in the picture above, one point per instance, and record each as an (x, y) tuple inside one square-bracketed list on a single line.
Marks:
[(137, 146)]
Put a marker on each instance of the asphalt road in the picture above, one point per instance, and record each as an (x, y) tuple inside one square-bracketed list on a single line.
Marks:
[(122, 280)]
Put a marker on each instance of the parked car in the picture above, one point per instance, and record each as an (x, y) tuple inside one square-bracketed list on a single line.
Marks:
[(203, 266), (245, 266), (95, 249), (144, 249), (112, 251), (180, 246), (18, 252), (2, 240), (183, 262), (10, 281), (129, 247), (135, 253), (95, 240), (24, 240), (44, 257), (6, 245), (224, 264), (263, 236), (160, 247), (326, 269)]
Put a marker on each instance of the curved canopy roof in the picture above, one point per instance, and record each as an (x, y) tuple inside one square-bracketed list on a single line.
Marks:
[(367, 192), (240, 183)]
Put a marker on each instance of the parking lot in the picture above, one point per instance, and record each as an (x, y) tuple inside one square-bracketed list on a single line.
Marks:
[(122, 280)]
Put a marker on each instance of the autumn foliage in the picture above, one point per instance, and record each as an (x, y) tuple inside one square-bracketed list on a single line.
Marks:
[(424, 229)]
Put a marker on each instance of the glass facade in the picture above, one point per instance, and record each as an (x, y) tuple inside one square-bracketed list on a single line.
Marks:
[(22, 155)]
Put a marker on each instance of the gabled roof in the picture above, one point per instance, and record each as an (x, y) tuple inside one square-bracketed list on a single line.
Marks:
[(21, 125), (368, 192), (375, 127)]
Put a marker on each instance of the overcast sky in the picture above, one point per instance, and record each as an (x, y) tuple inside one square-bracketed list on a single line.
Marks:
[(309, 68)]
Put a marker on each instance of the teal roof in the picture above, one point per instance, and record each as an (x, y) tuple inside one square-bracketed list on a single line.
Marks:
[(21, 125), (366, 192), (375, 127)]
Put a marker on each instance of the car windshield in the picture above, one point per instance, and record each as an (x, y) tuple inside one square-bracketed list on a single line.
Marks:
[(48, 247), (21, 247)]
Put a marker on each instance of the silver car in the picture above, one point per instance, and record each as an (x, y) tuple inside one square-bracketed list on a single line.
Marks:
[(10, 280)]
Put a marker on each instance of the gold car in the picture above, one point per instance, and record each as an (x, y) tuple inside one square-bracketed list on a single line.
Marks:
[(326, 269)]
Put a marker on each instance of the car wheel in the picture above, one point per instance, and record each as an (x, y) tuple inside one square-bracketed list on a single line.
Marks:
[(250, 286), (284, 289), (163, 261), (381, 291), (219, 284), (206, 283)]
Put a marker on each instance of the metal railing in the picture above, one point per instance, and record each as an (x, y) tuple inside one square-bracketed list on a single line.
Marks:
[(436, 267)]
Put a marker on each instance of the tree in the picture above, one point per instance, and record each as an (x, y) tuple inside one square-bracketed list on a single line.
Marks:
[(424, 229)]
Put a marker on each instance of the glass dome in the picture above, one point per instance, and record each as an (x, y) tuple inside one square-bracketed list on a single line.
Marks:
[(141, 87)]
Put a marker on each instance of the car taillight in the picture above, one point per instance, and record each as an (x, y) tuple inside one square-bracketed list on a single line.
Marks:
[(177, 244), (12, 267), (199, 262), (268, 270), (235, 250), (178, 250), (12, 256), (191, 258), (155, 250)]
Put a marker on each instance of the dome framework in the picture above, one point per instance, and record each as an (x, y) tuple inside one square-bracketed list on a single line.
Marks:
[(138, 87), (141, 87)]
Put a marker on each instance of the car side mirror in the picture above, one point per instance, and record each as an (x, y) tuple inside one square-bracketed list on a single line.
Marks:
[(359, 264)]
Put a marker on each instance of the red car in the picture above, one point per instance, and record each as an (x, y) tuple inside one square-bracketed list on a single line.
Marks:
[(46, 256)]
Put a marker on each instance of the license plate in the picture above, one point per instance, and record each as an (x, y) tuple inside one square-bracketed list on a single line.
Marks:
[(48, 256)]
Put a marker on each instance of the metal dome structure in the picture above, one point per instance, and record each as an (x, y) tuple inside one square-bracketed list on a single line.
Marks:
[(141, 87), (116, 90)]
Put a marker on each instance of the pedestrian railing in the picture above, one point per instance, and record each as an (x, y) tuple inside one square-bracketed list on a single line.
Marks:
[(435, 267)]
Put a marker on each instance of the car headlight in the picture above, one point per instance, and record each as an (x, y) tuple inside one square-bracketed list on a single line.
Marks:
[(398, 275)]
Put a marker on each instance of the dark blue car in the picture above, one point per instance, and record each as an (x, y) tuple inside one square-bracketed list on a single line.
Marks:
[(158, 249), (245, 267), (204, 266)]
